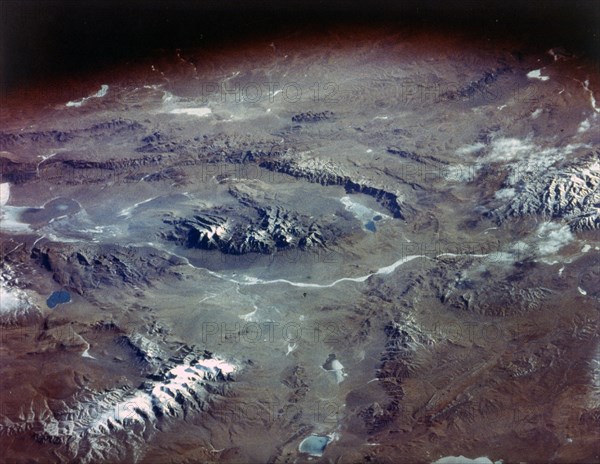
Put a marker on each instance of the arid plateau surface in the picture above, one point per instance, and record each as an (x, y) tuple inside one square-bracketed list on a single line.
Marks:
[(362, 246)]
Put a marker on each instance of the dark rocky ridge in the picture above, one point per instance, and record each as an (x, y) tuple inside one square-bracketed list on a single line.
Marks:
[(57, 138), (264, 230), (313, 117), (423, 159), (480, 88), (170, 153), (387, 199), (83, 269)]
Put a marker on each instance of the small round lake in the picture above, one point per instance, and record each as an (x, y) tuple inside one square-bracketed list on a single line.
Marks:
[(59, 297)]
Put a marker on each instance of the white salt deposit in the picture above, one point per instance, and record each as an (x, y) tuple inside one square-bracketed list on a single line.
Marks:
[(359, 211), (338, 368), (99, 94), (463, 460), (4, 193), (198, 112), (537, 74)]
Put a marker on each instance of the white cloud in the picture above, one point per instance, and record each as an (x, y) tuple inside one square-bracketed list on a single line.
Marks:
[(505, 193), (552, 238), (525, 157), (584, 126), (470, 149), (504, 149)]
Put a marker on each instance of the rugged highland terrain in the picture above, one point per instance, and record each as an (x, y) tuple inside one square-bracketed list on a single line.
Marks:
[(389, 240)]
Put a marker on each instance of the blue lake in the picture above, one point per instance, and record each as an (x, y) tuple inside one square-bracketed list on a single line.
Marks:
[(371, 226), (314, 445), (59, 297)]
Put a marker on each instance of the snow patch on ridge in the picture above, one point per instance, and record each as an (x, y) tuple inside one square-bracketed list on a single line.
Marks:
[(94, 428), (14, 302)]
